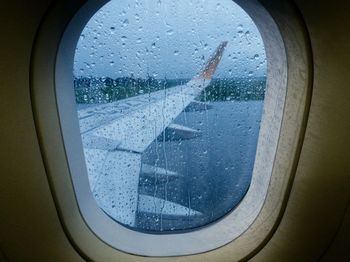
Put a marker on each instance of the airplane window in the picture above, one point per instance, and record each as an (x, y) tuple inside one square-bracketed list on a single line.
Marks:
[(169, 96)]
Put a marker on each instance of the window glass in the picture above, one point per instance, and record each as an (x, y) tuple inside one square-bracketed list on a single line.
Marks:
[(169, 98)]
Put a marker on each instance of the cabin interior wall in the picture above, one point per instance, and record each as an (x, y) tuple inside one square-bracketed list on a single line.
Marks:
[(29, 225), (314, 219), (320, 193)]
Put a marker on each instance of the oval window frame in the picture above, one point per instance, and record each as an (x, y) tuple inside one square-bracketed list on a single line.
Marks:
[(285, 110)]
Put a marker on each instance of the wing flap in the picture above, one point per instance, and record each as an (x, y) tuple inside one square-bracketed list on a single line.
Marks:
[(155, 205), (116, 187)]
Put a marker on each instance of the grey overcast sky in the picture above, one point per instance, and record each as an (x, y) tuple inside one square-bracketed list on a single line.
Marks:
[(167, 38)]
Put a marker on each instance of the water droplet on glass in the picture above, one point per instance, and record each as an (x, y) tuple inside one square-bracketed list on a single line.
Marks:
[(125, 22)]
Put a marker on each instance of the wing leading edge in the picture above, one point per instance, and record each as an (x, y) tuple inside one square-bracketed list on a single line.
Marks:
[(114, 136)]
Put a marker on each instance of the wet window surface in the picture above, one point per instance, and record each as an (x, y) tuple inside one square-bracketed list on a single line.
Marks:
[(169, 98)]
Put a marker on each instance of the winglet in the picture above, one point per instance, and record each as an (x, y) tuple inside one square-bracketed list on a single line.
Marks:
[(213, 62)]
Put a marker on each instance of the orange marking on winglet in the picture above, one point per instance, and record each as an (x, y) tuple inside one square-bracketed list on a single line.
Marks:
[(213, 63)]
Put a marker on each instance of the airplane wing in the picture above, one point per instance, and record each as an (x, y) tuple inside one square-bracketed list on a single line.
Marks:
[(114, 136)]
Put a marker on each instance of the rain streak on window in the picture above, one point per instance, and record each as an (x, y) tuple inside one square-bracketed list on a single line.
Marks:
[(169, 96)]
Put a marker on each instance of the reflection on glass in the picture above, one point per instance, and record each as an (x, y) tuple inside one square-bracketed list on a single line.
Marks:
[(169, 98)]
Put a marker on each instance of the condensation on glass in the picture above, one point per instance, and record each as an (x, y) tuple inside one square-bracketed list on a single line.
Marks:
[(169, 96)]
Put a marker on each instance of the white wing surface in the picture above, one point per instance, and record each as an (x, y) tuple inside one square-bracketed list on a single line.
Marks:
[(114, 136)]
